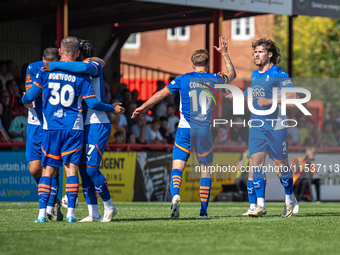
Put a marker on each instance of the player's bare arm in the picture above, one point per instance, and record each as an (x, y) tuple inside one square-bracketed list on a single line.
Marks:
[(223, 49), (152, 101)]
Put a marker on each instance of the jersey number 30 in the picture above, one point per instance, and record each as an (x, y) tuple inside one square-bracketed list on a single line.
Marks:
[(57, 98)]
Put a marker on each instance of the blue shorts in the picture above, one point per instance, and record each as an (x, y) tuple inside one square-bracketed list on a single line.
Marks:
[(60, 146), (201, 140), (275, 142), (33, 142), (96, 136)]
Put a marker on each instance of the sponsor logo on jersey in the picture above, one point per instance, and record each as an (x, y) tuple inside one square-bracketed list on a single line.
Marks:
[(258, 91), (59, 114), (267, 79), (286, 82)]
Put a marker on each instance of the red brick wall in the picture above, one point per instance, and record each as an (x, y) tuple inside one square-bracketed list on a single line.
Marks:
[(174, 56)]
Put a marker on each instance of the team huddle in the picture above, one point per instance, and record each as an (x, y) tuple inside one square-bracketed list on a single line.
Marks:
[(68, 124), (70, 132)]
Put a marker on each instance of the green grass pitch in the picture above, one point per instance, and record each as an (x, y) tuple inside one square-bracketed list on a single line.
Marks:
[(145, 228)]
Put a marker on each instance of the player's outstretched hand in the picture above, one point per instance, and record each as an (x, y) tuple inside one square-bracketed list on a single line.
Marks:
[(118, 109), (46, 66), (139, 111), (223, 45)]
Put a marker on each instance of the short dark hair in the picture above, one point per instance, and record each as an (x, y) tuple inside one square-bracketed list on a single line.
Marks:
[(70, 44), (85, 48), (163, 118), (200, 57), (270, 46), (51, 54), (118, 133)]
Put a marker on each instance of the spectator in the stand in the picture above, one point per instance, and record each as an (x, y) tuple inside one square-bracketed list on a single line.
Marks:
[(160, 111), (134, 98), (223, 135), (327, 138), (9, 70), (4, 137), (123, 121), (3, 70), (7, 116), (121, 87), (126, 95), (152, 134), (131, 107), (115, 127), (14, 97), (18, 126), (114, 84), (139, 129), (238, 133), (119, 137), (172, 119), (131, 138), (165, 131)]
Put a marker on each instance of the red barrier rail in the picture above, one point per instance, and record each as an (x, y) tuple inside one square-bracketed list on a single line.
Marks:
[(162, 147)]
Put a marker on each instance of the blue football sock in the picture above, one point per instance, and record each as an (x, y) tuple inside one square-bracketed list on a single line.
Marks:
[(205, 194), (251, 192), (287, 180), (88, 187), (44, 191), (99, 182), (54, 190), (176, 180), (72, 187), (259, 182)]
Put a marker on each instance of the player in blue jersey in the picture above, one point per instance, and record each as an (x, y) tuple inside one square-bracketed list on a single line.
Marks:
[(97, 129), (194, 128), (34, 133), (63, 134), (267, 133)]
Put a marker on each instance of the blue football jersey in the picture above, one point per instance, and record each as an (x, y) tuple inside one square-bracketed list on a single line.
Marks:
[(35, 116), (198, 95), (62, 98), (262, 85), (94, 69)]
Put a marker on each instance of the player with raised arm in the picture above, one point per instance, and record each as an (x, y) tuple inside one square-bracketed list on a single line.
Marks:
[(268, 136), (34, 133), (194, 128), (63, 134), (97, 128)]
